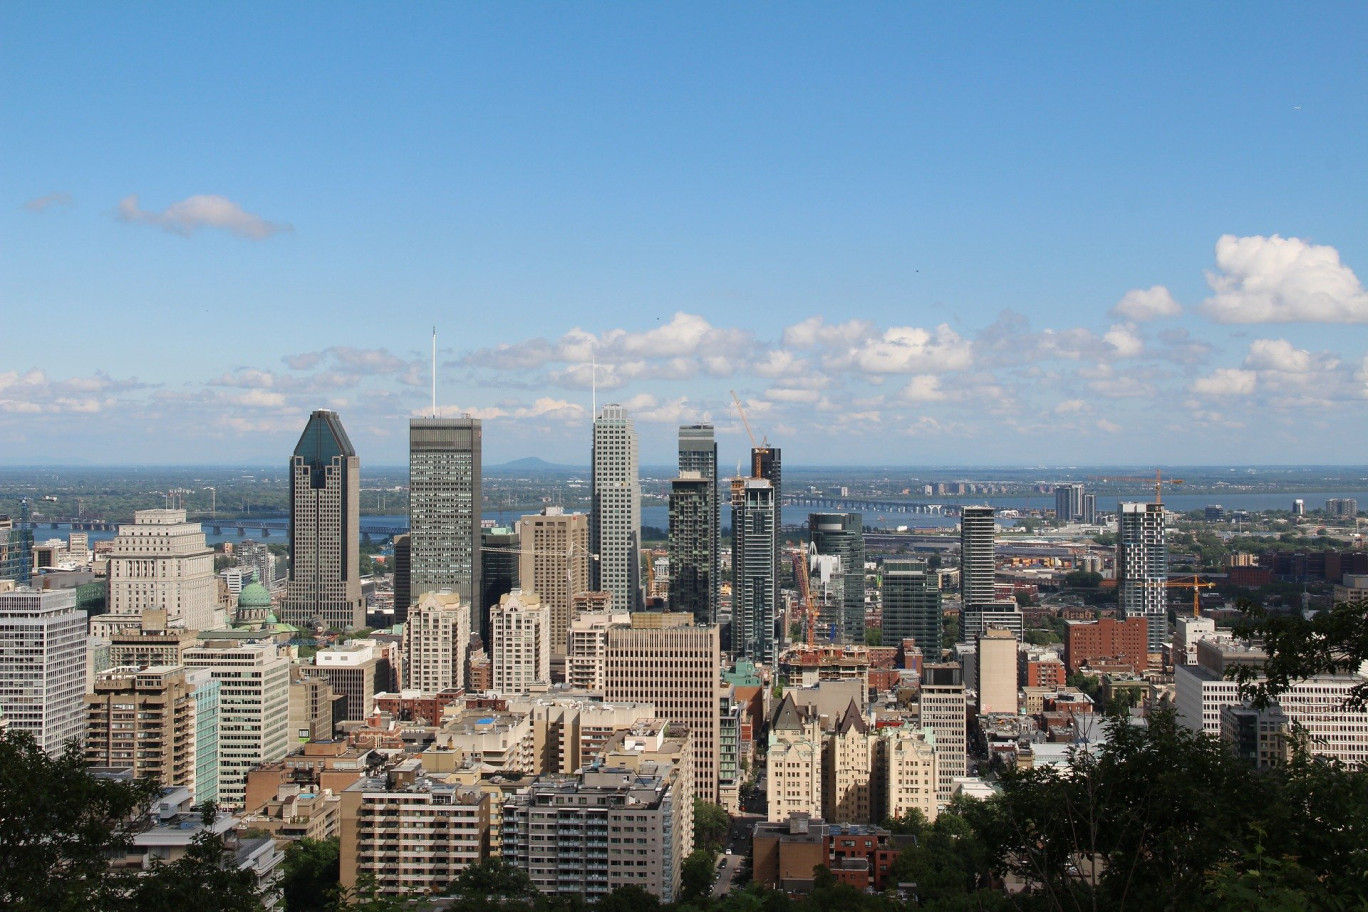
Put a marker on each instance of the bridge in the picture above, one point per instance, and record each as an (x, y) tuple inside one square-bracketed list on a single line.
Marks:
[(826, 503), (241, 527)]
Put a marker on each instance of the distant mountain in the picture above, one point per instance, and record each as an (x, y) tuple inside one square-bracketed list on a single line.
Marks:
[(535, 465)]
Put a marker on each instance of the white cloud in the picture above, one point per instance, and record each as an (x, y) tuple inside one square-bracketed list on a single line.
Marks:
[(1125, 341), (907, 350), (1069, 406), (1227, 381), (1278, 355), (786, 394), (200, 211), (44, 203), (1282, 280), (923, 388), (814, 332), (1143, 304)]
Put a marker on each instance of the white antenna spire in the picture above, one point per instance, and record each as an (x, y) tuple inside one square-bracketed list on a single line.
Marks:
[(434, 372), (593, 382)]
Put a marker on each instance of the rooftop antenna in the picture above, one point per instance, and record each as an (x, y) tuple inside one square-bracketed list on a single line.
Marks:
[(593, 383), (434, 372)]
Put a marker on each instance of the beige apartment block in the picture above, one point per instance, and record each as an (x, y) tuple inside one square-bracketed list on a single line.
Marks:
[(437, 642), (554, 563), (520, 648), (795, 762), (570, 731), (411, 832), (501, 741), (160, 561), (144, 721), (668, 661), (311, 707), (911, 773), (997, 659), (847, 770), (148, 640), (586, 652)]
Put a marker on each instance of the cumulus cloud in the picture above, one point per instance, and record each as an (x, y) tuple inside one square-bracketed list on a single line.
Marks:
[(1282, 280), (201, 211), (33, 392), (1142, 304), (1281, 355), (1125, 341), (1227, 381), (923, 388), (906, 350), (815, 332), (44, 203)]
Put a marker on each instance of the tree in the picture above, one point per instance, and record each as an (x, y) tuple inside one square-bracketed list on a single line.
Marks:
[(696, 875), (493, 877), (873, 636), (711, 825), (204, 878), (630, 898), (1330, 642), (310, 874)]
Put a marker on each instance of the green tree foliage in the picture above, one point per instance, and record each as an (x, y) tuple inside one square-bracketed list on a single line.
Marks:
[(1330, 642), (873, 636), (711, 825), (59, 825), (1082, 579), (696, 878), (493, 877), (309, 875)]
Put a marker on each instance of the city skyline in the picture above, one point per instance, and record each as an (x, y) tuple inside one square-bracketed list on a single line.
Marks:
[(958, 239)]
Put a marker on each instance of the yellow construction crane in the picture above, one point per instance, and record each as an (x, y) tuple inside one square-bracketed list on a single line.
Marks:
[(1196, 584), (744, 423), (1158, 481), (812, 615)]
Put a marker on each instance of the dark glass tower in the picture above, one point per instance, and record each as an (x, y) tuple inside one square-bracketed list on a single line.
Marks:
[(325, 522), (842, 535), (912, 606), (698, 453), (445, 508), (498, 570), (692, 549)]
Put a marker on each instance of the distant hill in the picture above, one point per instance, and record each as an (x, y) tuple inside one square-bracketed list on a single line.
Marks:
[(535, 465)]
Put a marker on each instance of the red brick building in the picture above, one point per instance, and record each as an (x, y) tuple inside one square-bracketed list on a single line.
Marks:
[(1107, 641)]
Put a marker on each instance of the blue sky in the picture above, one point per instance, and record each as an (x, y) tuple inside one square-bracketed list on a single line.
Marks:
[(902, 233)]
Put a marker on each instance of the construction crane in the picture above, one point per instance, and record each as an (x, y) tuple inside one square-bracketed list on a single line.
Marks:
[(746, 424), (812, 615), (1196, 584), (1158, 482)]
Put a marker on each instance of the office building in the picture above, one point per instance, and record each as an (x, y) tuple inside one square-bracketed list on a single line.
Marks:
[(977, 562), (554, 563), (841, 535), (520, 643), (254, 710), (158, 722), (587, 649), (615, 517), (43, 665), (1107, 641), (444, 507), (944, 710), (437, 643), (754, 587), (997, 671), (912, 605), (1068, 502), (402, 594), (692, 545), (698, 453), (324, 588), (675, 665), (1187, 632), (500, 561), (413, 834), (978, 617), (355, 670), (1142, 568), (16, 546), (160, 561)]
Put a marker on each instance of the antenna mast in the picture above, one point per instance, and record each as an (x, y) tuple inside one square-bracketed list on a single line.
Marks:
[(434, 372), (593, 383)]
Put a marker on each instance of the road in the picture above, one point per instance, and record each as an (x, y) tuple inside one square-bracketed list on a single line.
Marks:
[(727, 870)]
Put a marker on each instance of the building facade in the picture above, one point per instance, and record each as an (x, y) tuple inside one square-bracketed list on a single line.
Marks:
[(615, 517), (554, 563), (912, 605), (437, 643), (444, 508), (161, 562), (1142, 568), (324, 587), (698, 453), (43, 665), (841, 535), (692, 545), (754, 587), (520, 643), (977, 559)]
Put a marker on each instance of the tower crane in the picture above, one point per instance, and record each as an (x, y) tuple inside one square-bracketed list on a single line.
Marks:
[(811, 614), (1158, 482), (1196, 584)]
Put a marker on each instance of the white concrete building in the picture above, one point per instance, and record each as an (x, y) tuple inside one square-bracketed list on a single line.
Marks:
[(520, 643), (436, 642), (43, 665), (160, 561)]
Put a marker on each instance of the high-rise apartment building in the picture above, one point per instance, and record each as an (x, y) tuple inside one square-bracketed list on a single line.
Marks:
[(1002, 613), (444, 508), (150, 721), (519, 643), (977, 561), (675, 665), (615, 517), (692, 499), (325, 528), (1142, 568), (912, 605), (43, 665), (944, 710), (554, 563), (160, 562), (766, 464), (910, 771), (1341, 507), (794, 762), (254, 710), (698, 453), (437, 642), (842, 535), (500, 559), (997, 671), (587, 649), (402, 595), (1089, 514), (754, 587)]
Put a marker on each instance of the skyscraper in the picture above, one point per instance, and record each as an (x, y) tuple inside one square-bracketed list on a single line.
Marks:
[(698, 453), (160, 562), (43, 665), (754, 588), (615, 518), (519, 647), (1142, 567), (977, 564), (554, 563), (325, 526), (1068, 502), (691, 546), (499, 563), (912, 606), (842, 535), (765, 463), (445, 509)]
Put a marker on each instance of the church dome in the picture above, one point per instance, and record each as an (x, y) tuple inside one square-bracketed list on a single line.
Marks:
[(254, 595)]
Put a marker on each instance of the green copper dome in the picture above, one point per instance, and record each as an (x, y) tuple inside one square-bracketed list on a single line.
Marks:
[(254, 595)]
